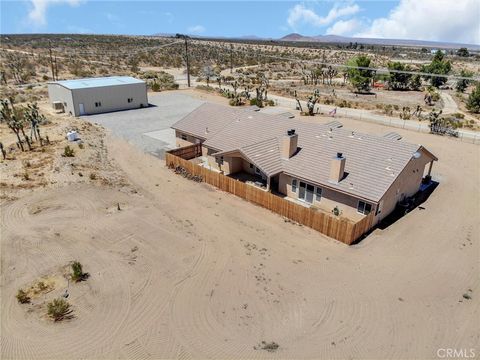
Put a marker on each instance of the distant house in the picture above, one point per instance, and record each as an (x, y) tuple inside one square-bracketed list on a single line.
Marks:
[(434, 51), (98, 95), (321, 165)]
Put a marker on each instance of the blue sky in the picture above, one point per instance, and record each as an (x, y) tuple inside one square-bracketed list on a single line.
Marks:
[(442, 20)]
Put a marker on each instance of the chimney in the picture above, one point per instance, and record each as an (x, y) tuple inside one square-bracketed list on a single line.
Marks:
[(337, 168), (289, 144)]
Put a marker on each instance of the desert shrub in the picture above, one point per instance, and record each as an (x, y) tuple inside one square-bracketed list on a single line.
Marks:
[(93, 176), (388, 109), (68, 152), (206, 88), (473, 102), (58, 309), (41, 286), (271, 103), (22, 297), (336, 211), (433, 93), (81, 146), (270, 347), (77, 271)]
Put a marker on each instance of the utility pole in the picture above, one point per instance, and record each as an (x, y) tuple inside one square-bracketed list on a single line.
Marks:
[(185, 37), (186, 58), (56, 68), (231, 58), (51, 59)]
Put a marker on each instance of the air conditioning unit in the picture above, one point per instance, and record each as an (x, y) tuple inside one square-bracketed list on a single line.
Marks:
[(58, 106)]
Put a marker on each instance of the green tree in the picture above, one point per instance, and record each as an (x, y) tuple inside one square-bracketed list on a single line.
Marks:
[(473, 102), (399, 81), (462, 84), (463, 52), (440, 66), (415, 82), (360, 79)]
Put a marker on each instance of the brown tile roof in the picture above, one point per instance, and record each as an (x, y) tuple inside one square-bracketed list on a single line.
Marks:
[(264, 154), (372, 162)]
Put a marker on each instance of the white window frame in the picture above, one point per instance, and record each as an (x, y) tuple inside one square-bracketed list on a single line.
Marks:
[(361, 209), (318, 193), (294, 185)]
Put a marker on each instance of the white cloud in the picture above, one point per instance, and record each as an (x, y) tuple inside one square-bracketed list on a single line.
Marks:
[(301, 14), (169, 16), (345, 27), (38, 13), (197, 29), (438, 20), (112, 17)]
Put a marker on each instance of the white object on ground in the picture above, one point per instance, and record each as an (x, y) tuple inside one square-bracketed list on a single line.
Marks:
[(72, 136)]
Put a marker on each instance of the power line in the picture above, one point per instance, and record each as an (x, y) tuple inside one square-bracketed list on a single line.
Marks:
[(344, 66)]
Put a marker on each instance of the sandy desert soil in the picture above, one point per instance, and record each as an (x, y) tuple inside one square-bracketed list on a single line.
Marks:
[(186, 271)]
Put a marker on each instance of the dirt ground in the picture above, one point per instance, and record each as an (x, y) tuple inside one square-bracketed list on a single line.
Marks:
[(185, 271)]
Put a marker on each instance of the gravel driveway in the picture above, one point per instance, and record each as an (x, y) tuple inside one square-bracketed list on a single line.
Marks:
[(149, 128)]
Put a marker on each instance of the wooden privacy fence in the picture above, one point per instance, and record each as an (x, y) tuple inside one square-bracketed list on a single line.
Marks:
[(341, 229), (187, 152)]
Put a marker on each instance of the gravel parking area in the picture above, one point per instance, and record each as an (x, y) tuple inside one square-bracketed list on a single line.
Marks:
[(149, 128)]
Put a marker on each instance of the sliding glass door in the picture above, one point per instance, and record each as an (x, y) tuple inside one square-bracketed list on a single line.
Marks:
[(305, 192), (301, 190), (309, 196)]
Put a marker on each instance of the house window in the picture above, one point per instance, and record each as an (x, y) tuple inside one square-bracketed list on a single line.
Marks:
[(257, 171), (305, 192), (294, 185), (364, 208), (318, 194), (309, 194), (130, 100), (184, 137), (98, 104), (221, 160), (251, 166)]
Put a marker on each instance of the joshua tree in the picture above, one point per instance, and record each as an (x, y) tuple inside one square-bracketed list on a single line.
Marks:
[(4, 153), (298, 101), (12, 118), (34, 117), (312, 100), (436, 122)]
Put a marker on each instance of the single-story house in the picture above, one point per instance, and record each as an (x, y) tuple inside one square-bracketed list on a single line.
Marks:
[(320, 165), (98, 95)]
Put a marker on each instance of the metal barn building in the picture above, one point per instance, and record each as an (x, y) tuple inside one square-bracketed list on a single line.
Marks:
[(98, 95)]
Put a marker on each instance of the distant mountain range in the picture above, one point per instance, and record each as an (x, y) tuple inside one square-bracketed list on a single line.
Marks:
[(375, 41), (295, 37)]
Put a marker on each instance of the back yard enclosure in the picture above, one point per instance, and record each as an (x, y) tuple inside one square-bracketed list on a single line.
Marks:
[(339, 228)]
